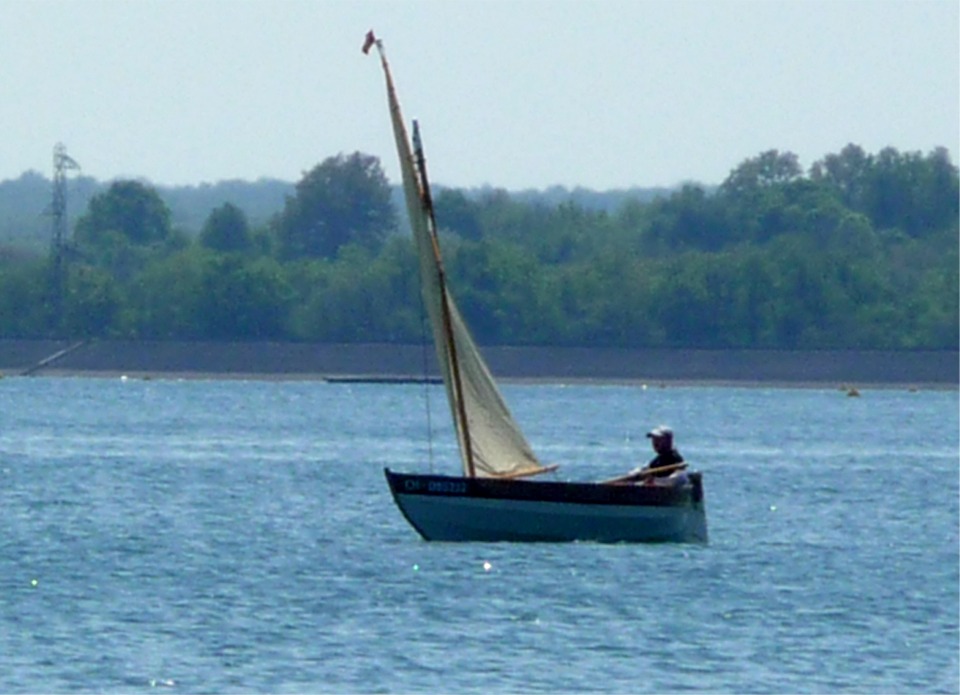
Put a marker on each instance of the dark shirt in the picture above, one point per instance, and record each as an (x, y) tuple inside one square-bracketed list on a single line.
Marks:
[(668, 459)]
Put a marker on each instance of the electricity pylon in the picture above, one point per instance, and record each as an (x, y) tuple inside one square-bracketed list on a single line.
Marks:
[(62, 163)]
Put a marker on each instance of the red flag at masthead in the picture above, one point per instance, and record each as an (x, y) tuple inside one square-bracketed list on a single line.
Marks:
[(368, 42)]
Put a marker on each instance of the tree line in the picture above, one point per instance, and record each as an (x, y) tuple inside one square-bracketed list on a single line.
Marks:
[(859, 251)]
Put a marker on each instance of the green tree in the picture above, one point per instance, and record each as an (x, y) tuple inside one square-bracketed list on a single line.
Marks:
[(688, 219), (752, 196), (912, 193), (121, 230), (346, 199), (166, 296), (24, 296), (499, 290), (242, 298), (128, 208), (457, 213), (848, 173), (200, 294), (93, 304), (226, 229), (769, 168), (360, 296)]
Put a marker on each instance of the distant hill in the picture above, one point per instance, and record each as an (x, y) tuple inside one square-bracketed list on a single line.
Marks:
[(25, 207), (588, 199), (259, 200), (25, 202)]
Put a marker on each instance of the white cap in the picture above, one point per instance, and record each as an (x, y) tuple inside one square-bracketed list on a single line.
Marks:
[(660, 431)]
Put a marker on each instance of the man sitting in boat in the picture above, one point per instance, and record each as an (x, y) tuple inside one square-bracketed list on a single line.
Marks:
[(663, 468)]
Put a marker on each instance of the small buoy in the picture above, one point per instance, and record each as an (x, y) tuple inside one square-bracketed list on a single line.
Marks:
[(487, 566), (33, 582)]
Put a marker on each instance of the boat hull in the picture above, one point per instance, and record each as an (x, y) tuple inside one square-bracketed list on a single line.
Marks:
[(448, 508)]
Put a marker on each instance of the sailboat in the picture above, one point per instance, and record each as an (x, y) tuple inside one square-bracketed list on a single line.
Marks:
[(496, 498)]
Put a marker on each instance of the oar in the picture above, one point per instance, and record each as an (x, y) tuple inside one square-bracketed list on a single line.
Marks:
[(640, 475)]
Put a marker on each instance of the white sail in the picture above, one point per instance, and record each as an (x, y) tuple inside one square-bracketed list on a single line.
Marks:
[(491, 443)]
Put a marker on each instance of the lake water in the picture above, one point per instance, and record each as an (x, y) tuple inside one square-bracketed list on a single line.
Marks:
[(231, 536)]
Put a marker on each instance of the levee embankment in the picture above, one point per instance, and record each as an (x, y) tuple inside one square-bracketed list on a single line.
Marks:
[(383, 361)]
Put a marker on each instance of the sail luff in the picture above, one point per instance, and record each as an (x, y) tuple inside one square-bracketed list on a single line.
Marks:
[(491, 443), (432, 290)]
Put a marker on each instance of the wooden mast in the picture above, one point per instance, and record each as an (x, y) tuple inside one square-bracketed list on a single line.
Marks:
[(427, 201)]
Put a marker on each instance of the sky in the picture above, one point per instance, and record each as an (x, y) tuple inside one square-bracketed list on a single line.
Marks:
[(516, 94)]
